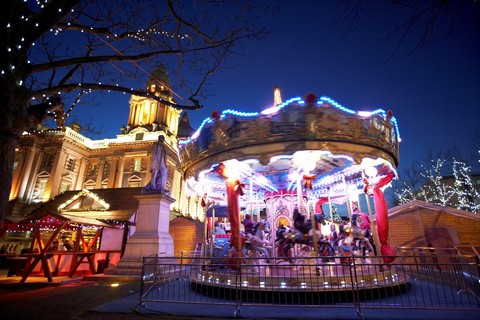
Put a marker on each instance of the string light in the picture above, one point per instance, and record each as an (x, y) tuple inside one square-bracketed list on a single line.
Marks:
[(87, 193), (298, 101)]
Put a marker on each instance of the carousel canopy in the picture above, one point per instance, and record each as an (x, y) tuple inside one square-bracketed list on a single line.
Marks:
[(312, 143)]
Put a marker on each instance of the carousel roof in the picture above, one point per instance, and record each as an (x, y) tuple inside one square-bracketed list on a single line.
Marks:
[(316, 139)]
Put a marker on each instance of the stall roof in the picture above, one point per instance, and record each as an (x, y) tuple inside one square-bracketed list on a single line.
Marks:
[(107, 204), (415, 204), (66, 217)]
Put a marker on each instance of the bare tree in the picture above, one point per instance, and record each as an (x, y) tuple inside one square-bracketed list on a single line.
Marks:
[(54, 52), (409, 26)]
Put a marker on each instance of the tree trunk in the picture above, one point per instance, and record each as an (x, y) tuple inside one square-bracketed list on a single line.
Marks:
[(8, 143)]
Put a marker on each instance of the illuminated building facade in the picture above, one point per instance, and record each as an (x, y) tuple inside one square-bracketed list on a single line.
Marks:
[(52, 161)]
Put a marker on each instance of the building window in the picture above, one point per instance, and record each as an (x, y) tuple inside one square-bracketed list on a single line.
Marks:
[(92, 170), (70, 165), (42, 186), (137, 165), (106, 168), (47, 161), (64, 187)]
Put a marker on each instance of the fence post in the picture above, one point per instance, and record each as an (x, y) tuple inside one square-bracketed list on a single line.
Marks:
[(355, 294), (238, 285)]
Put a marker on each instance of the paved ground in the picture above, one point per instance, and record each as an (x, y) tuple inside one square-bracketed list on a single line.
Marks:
[(63, 300), (96, 298)]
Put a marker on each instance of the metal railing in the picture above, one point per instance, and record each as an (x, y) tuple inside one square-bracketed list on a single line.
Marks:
[(417, 279)]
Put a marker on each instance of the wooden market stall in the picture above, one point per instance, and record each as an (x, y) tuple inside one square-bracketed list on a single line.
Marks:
[(113, 210), (422, 224), (59, 244)]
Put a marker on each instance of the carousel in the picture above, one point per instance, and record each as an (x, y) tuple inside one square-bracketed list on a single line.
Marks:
[(310, 174)]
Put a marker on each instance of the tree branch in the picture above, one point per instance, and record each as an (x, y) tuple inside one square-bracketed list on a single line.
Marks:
[(106, 87)]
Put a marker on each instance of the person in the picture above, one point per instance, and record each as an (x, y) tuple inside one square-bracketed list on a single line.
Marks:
[(248, 225), (159, 169), (299, 222), (218, 229), (333, 237), (67, 243), (280, 232)]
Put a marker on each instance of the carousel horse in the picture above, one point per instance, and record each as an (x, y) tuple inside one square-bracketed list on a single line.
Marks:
[(305, 232), (262, 229), (257, 242), (353, 236)]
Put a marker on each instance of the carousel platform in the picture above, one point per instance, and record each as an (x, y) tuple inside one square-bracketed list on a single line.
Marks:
[(301, 284)]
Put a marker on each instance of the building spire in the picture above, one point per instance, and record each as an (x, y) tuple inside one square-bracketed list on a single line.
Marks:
[(277, 97), (159, 81)]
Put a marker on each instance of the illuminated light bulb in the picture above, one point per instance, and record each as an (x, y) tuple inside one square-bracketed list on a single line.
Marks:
[(309, 165), (371, 171)]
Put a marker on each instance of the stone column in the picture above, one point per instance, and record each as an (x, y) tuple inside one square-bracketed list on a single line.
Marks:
[(81, 174), (151, 237), (99, 179), (53, 185), (119, 178), (112, 172), (22, 172)]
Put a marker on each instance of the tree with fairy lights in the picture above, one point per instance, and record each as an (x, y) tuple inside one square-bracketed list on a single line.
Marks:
[(435, 190), (55, 52), (468, 198), (437, 185)]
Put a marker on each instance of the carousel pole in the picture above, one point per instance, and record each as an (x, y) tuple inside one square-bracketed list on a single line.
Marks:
[(375, 232), (313, 221), (205, 232), (258, 208), (205, 204), (330, 209), (212, 231), (299, 194), (250, 197), (347, 199), (310, 210)]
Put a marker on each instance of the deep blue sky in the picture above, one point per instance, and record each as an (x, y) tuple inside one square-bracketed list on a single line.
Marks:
[(434, 94)]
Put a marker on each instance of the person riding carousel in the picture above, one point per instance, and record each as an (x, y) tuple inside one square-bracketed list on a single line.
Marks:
[(248, 224)]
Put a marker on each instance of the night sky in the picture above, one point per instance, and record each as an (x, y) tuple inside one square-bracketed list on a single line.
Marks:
[(434, 93)]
